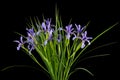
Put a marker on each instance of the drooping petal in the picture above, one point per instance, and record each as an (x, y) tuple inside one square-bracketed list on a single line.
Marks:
[(69, 30), (74, 37), (45, 42), (84, 39), (18, 47), (38, 33), (60, 28), (68, 36), (21, 39), (16, 41), (83, 44)]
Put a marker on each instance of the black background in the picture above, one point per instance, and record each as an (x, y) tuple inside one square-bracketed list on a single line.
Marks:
[(101, 14)]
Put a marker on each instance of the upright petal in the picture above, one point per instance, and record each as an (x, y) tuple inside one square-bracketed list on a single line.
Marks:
[(48, 23), (79, 28), (43, 26)]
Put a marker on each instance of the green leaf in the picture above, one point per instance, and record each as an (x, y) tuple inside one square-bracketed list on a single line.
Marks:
[(101, 46), (94, 56), (19, 66), (84, 69)]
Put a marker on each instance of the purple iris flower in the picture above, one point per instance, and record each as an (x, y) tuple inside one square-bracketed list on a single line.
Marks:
[(50, 34), (69, 30), (30, 31), (84, 39), (79, 29), (46, 25), (30, 40), (20, 43)]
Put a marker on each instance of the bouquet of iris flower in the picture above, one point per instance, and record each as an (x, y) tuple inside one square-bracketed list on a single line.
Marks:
[(58, 46)]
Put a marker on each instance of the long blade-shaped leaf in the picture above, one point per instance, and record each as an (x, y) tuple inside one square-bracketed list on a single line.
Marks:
[(20, 66), (100, 55), (84, 69)]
